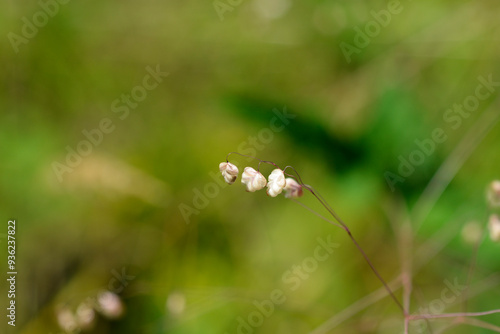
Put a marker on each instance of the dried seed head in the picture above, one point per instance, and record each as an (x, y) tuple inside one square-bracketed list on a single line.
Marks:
[(292, 188), (276, 183), (494, 228), (494, 193), (252, 179), (229, 171)]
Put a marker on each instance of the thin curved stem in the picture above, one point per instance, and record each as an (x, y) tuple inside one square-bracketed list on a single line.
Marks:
[(452, 315), (375, 271), (360, 249), (299, 179), (252, 157), (481, 324)]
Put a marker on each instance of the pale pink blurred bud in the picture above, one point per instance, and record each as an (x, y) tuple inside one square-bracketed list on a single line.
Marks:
[(494, 193), (292, 188), (176, 303), (494, 228), (276, 183), (253, 179), (229, 171), (66, 320), (472, 232), (85, 316), (110, 305)]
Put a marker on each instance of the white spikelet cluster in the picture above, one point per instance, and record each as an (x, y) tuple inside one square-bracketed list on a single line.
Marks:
[(254, 180)]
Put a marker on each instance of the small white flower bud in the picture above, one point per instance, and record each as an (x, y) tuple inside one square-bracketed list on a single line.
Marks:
[(229, 171), (494, 193), (110, 305), (276, 183), (494, 228), (292, 188), (252, 179)]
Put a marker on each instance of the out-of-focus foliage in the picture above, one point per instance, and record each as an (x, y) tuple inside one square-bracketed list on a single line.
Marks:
[(115, 219)]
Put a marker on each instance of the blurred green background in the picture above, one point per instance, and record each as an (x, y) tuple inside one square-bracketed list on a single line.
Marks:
[(127, 215)]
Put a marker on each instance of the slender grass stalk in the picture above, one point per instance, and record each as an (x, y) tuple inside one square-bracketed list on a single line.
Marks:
[(358, 246), (405, 239), (338, 219), (452, 315), (481, 324)]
